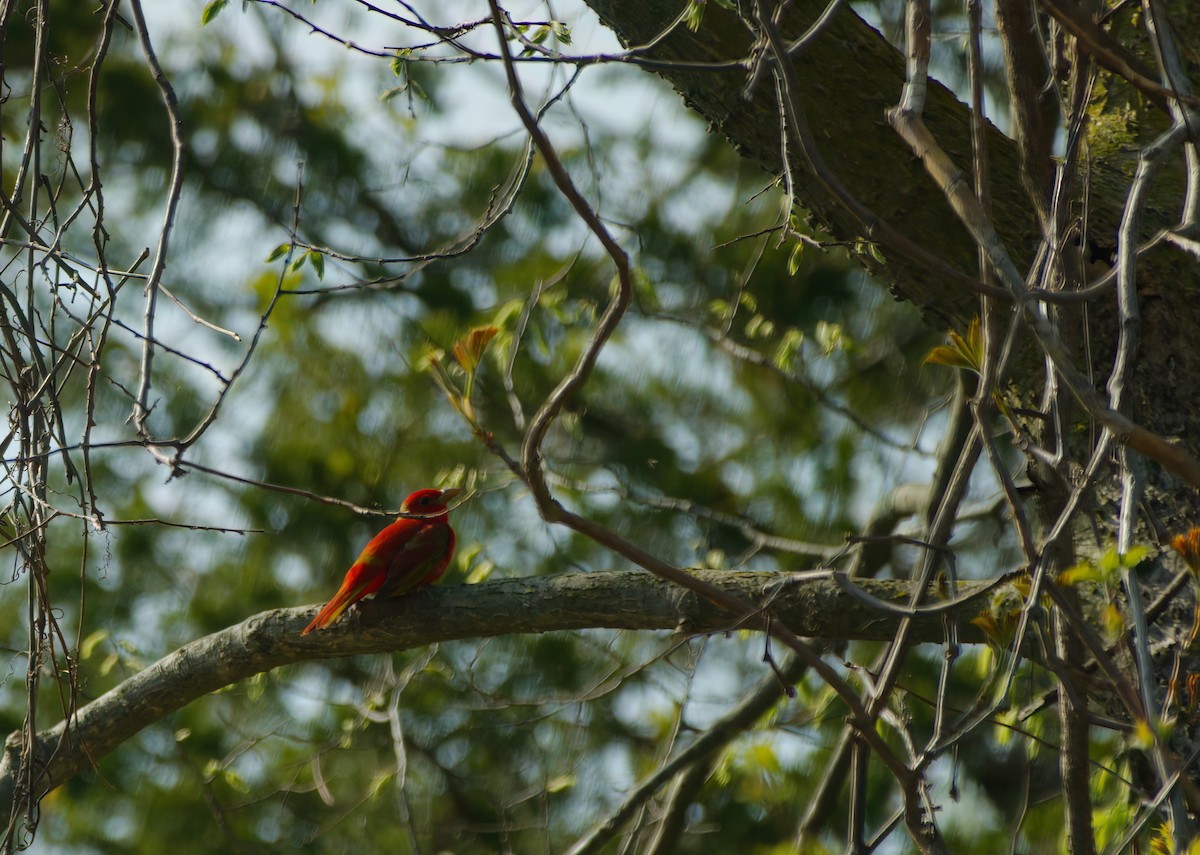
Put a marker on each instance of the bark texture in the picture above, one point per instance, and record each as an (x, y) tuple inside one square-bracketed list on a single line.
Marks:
[(849, 77), (817, 607)]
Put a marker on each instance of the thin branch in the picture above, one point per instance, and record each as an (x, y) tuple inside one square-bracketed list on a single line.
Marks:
[(141, 406), (1112, 54), (728, 728), (532, 472), (954, 184)]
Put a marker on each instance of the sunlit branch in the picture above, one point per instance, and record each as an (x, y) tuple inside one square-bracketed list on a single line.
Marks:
[(452, 36), (617, 600)]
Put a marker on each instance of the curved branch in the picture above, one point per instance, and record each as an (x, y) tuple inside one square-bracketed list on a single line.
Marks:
[(811, 605), (698, 755)]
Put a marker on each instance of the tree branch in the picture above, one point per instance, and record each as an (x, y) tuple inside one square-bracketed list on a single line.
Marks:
[(812, 605)]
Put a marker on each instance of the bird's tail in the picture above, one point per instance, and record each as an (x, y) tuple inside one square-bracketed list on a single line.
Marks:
[(334, 609)]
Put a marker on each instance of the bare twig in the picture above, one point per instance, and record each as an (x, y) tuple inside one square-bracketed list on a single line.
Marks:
[(737, 720), (534, 476), (912, 128), (142, 406)]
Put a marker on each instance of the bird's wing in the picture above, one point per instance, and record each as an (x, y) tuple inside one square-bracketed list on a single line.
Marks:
[(425, 554)]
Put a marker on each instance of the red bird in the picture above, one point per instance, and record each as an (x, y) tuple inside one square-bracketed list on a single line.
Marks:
[(411, 552)]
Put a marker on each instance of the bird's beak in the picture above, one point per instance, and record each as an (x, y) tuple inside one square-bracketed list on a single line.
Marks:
[(452, 493)]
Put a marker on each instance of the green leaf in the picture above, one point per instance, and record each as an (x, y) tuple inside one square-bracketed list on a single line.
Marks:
[(211, 10), (1135, 556), (1112, 621), (1084, 571), (831, 337), (235, 781), (789, 345), (793, 264), (1005, 720), (317, 260), (400, 62), (88, 647), (278, 252), (379, 784), (643, 287), (480, 572), (561, 32), (758, 327), (761, 756)]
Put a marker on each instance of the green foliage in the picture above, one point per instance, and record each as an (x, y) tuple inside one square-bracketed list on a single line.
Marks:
[(211, 10), (738, 399), (1106, 573)]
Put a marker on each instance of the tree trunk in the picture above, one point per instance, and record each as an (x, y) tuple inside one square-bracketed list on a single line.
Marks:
[(849, 77), (847, 80)]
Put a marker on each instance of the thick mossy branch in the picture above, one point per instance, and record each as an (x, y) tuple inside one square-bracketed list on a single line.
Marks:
[(847, 80), (815, 606)]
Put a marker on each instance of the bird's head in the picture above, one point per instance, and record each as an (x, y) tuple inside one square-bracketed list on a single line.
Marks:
[(428, 502)]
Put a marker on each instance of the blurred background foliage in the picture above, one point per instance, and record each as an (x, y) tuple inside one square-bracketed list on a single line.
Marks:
[(759, 384)]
